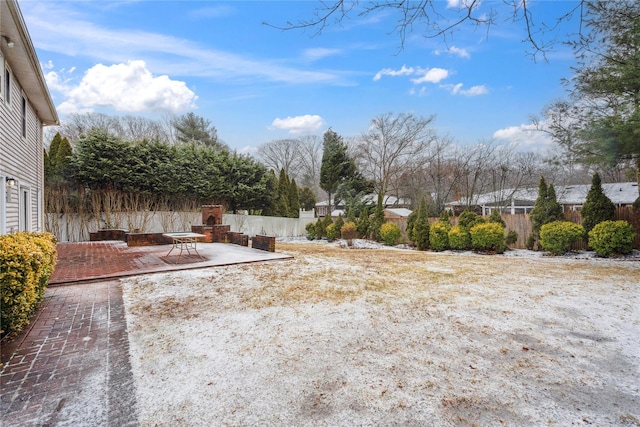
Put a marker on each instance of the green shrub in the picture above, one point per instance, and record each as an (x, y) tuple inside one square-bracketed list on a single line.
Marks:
[(390, 233), (363, 224), (321, 229), (459, 238), (339, 223), (439, 235), (556, 237), (497, 218), (27, 261), (611, 237), (512, 238), (332, 232), (311, 230), (468, 219), (597, 207), (421, 233), (349, 230), (487, 237), (531, 241)]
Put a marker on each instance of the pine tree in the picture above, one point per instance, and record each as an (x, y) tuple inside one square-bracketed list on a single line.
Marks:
[(281, 207), (546, 209), (421, 227), (363, 225), (294, 199), (598, 207), (336, 164), (378, 219)]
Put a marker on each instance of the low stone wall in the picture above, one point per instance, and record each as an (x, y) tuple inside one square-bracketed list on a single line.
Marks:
[(147, 239), (264, 243), (110, 234), (237, 238)]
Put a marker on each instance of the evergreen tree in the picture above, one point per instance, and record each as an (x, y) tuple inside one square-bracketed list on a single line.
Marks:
[(351, 216), (191, 128), (598, 207), (378, 219), (421, 227), (362, 226), (336, 164), (307, 199), (294, 199), (497, 218), (281, 206), (339, 223), (546, 208)]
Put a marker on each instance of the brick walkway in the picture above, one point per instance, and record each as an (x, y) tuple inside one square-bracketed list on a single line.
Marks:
[(71, 366)]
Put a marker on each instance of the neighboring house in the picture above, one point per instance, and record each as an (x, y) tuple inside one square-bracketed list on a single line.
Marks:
[(369, 199), (25, 107), (571, 197)]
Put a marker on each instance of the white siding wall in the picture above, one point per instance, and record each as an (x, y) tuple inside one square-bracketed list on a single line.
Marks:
[(20, 157)]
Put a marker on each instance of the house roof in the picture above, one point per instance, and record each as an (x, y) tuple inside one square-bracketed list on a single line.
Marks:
[(401, 212), (371, 199), (24, 62), (622, 193)]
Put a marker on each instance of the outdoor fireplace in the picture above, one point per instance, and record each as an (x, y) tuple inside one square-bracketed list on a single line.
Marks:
[(212, 226), (212, 214)]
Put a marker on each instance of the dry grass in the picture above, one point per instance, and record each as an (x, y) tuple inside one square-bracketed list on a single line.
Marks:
[(386, 336)]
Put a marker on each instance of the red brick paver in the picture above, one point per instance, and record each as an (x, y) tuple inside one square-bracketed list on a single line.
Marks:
[(72, 367)]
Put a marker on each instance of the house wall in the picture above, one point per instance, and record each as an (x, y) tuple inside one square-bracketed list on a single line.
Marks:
[(20, 158)]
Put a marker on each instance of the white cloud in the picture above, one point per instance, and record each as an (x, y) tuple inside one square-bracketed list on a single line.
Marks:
[(404, 71), (472, 91), (317, 53), (434, 75), (525, 137), (126, 87), (462, 53), (299, 124)]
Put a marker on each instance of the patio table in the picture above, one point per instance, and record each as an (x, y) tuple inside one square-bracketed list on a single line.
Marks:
[(184, 242)]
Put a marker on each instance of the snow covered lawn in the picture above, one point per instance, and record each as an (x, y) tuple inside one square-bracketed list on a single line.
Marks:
[(388, 337)]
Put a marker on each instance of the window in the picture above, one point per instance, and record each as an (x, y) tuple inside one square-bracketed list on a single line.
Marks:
[(24, 117)]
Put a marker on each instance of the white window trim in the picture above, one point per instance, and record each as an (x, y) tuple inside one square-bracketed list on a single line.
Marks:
[(24, 212)]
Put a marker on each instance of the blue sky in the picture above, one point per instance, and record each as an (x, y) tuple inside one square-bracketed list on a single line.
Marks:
[(256, 83)]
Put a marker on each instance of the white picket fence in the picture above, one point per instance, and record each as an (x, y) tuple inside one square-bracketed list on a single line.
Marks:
[(74, 228)]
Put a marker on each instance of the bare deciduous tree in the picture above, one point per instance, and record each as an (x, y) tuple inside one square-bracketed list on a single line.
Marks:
[(281, 154), (392, 142), (433, 19)]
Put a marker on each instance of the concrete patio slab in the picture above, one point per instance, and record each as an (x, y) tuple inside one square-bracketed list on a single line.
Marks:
[(112, 259)]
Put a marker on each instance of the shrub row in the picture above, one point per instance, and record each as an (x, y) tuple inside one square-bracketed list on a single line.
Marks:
[(608, 238), (27, 261)]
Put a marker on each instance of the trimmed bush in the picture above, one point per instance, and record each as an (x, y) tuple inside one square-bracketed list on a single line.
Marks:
[(488, 237), (349, 230), (311, 230), (390, 233), (468, 219), (611, 238), (459, 238), (27, 261), (332, 232), (512, 238), (556, 237), (439, 235)]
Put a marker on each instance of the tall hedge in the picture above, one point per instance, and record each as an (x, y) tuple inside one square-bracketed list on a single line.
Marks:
[(27, 261)]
